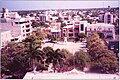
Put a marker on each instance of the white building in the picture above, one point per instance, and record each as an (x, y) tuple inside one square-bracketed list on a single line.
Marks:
[(25, 26), (106, 29), (20, 28), (5, 37), (106, 18)]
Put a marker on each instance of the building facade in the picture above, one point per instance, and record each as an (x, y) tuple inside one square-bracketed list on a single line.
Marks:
[(106, 18), (72, 30), (108, 30), (5, 37)]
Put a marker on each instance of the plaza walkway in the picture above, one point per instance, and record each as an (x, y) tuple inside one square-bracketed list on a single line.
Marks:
[(70, 46)]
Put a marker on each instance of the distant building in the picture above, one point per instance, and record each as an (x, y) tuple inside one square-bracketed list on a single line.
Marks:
[(106, 18), (107, 29), (42, 18), (11, 15), (5, 37), (20, 28), (25, 26), (72, 31), (55, 27)]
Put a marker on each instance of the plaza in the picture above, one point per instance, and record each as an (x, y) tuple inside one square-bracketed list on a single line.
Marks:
[(72, 47)]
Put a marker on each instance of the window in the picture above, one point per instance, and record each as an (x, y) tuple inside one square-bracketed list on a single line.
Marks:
[(16, 22), (27, 26), (90, 29), (109, 18), (12, 40), (63, 30), (70, 30), (23, 35), (63, 34), (94, 29), (76, 28), (27, 30), (23, 27), (28, 34), (70, 34), (23, 30), (16, 39), (76, 34), (82, 27)]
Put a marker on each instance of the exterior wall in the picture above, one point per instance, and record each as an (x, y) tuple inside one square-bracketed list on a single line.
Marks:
[(101, 27), (104, 18), (25, 26), (13, 15), (76, 28), (19, 30), (107, 19), (72, 32), (84, 23), (5, 37), (42, 18)]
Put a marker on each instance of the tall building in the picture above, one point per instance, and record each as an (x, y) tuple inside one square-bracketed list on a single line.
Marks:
[(42, 18)]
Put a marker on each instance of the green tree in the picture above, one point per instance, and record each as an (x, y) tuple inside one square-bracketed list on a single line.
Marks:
[(81, 59), (102, 59), (81, 36), (35, 24), (33, 52), (40, 34), (5, 62), (54, 57), (106, 62)]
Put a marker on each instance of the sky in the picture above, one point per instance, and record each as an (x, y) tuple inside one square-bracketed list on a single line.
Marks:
[(40, 5)]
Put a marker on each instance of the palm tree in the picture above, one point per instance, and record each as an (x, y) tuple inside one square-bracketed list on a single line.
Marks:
[(33, 52), (54, 57)]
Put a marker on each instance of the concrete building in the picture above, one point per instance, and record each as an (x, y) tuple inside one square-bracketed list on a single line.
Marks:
[(72, 31), (25, 26), (55, 28), (106, 17), (20, 28), (42, 18), (5, 37), (106, 29), (7, 14)]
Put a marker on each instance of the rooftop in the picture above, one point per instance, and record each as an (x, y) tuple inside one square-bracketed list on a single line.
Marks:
[(44, 75), (101, 24)]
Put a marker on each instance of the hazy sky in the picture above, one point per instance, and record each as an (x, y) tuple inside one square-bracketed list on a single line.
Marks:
[(37, 5)]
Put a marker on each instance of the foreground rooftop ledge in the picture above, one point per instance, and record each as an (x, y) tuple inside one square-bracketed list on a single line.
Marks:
[(38, 75)]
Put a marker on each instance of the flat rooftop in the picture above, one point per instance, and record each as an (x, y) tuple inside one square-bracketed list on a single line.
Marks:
[(38, 75)]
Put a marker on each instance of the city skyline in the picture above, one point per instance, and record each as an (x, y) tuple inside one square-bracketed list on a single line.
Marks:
[(39, 5)]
